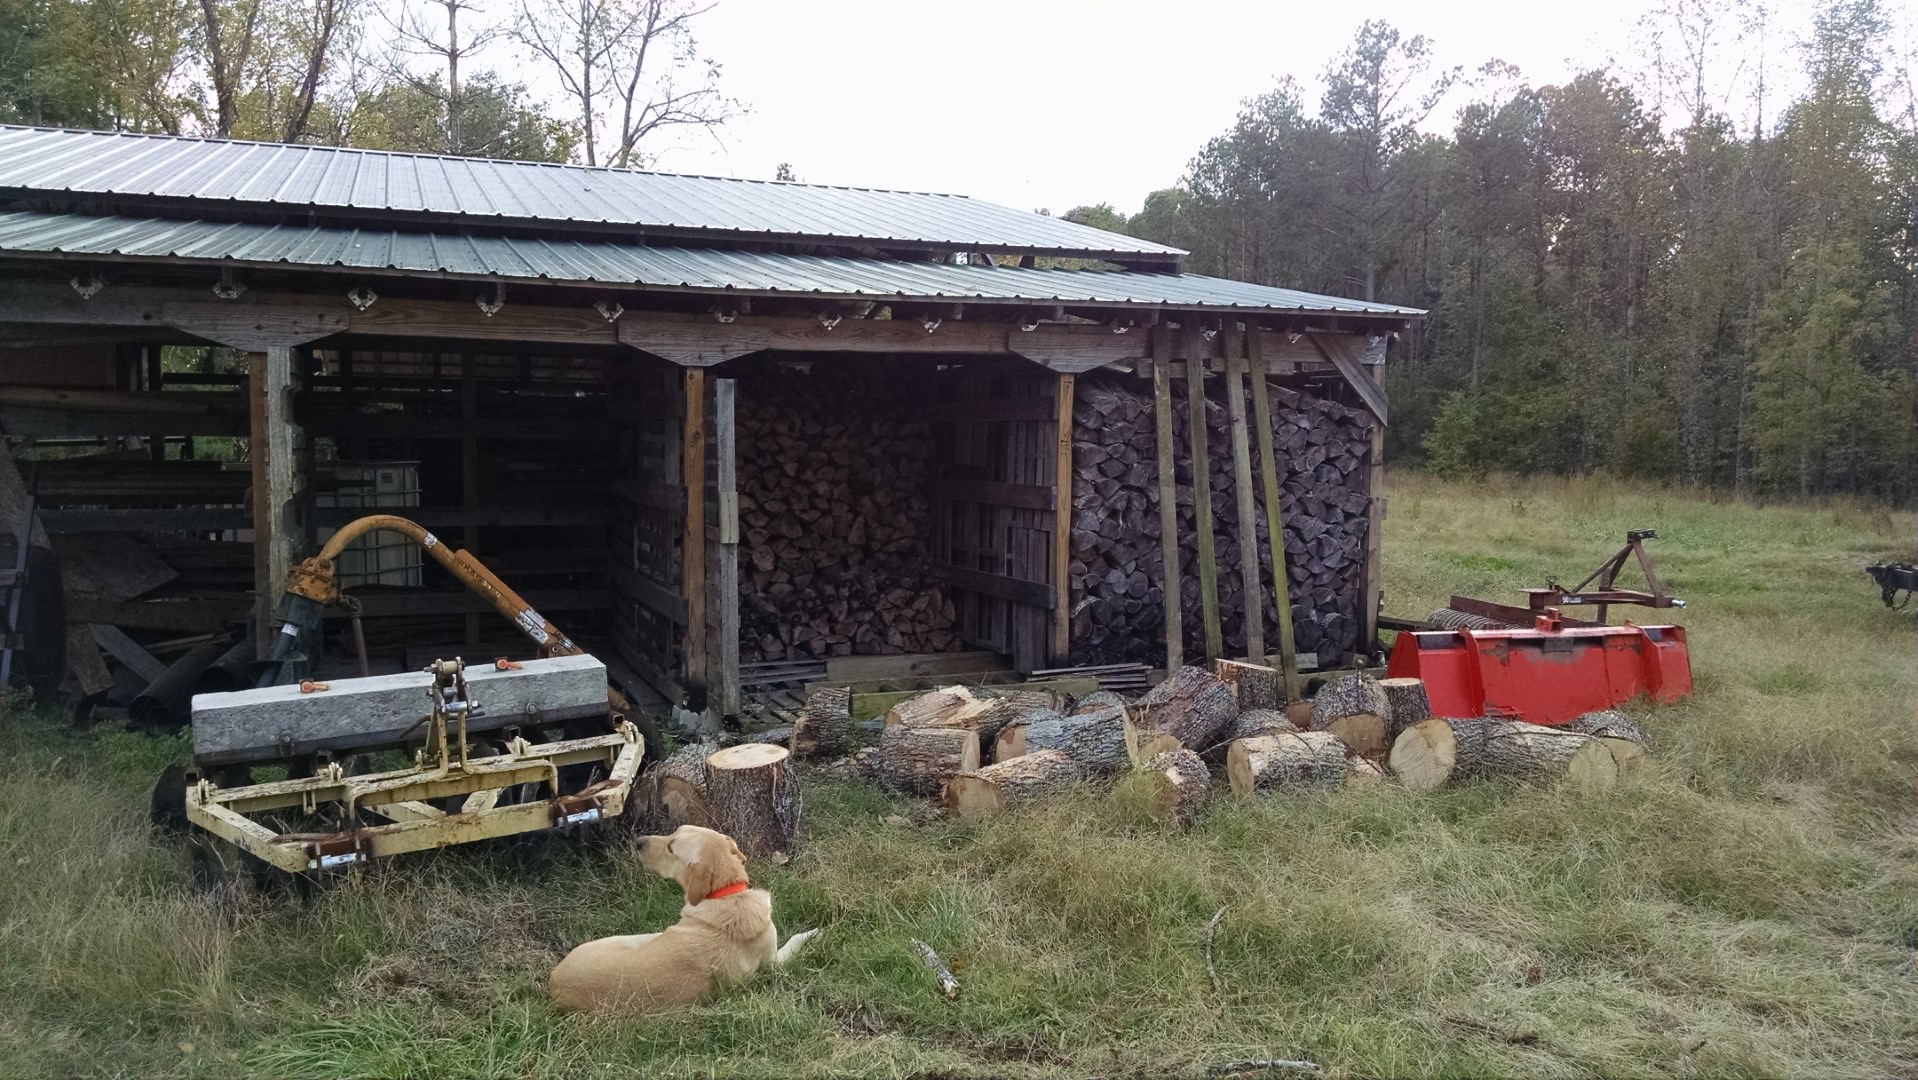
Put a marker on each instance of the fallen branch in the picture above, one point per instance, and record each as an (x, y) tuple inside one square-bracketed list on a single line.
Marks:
[(1233, 1067), (1210, 928), (948, 985)]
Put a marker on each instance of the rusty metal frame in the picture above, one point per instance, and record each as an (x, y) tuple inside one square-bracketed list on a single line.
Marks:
[(401, 797)]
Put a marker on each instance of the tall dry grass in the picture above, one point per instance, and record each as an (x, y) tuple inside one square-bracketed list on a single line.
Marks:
[(1750, 909)]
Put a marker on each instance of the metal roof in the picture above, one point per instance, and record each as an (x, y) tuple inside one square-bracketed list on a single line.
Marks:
[(630, 265), (374, 183)]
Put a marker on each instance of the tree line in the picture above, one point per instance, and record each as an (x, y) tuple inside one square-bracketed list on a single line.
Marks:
[(407, 76), (1724, 301)]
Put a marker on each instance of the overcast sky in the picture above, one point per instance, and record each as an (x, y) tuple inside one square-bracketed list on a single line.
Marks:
[(1054, 103)]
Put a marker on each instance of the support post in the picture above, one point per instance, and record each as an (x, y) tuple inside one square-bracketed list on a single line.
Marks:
[(725, 590), (692, 554), (1168, 496), (1062, 519), (1242, 489), (1199, 451), (1374, 526), (1274, 520), (270, 451)]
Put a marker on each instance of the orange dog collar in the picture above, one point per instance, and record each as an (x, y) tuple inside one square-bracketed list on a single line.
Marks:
[(723, 892)]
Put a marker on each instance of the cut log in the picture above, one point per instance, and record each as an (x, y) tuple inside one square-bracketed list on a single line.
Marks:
[(1096, 701), (1253, 686), (1010, 783), (1437, 751), (679, 789), (1144, 744), (1246, 725), (934, 706), (1306, 759), (1364, 772), (1354, 708), (1609, 724), (1191, 705), (825, 725), (755, 798), (1176, 784), (919, 760), (1095, 740), (1408, 704)]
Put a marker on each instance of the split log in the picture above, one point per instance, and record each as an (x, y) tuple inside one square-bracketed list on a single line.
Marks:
[(1095, 740), (1247, 725), (1306, 759), (1354, 708), (1191, 705), (679, 789), (755, 798), (918, 760), (1176, 784), (825, 725), (1435, 752), (1010, 783), (1253, 686), (1407, 704)]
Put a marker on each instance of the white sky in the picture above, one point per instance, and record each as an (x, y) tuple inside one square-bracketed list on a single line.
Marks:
[(1054, 103)]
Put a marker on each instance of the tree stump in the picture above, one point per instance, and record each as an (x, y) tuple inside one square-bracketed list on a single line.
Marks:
[(825, 726), (1191, 705), (1177, 785), (755, 798), (1354, 708), (1009, 783), (678, 786), (1407, 704), (1246, 725), (919, 760), (1095, 740), (1305, 759)]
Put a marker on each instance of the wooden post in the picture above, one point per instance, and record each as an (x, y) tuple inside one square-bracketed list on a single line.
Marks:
[(1374, 525), (692, 553), (725, 589), (1201, 455), (270, 451), (1168, 496), (1062, 519), (1274, 521), (1242, 488)]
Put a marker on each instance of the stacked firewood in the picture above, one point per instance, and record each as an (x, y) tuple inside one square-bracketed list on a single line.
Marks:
[(834, 523), (1117, 572), (981, 751)]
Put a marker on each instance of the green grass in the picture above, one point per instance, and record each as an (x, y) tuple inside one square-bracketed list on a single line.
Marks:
[(1751, 909)]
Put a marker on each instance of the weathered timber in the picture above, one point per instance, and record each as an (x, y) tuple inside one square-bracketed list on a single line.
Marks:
[(1202, 492), (1170, 594), (1253, 609)]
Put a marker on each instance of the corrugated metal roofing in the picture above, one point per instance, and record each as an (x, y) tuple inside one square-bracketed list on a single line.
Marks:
[(690, 269), (296, 176)]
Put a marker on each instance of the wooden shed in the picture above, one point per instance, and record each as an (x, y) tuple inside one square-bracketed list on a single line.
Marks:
[(729, 433)]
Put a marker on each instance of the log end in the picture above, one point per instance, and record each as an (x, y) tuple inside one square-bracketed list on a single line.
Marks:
[(1424, 755)]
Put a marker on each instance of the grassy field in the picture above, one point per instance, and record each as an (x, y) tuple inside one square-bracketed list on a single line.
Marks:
[(1751, 909)]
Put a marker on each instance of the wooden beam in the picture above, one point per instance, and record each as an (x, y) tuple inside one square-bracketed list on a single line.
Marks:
[(1242, 490), (185, 616), (987, 411), (270, 451), (1343, 351), (692, 551), (1274, 523), (1033, 594), (192, 519), (1168, 497), (1198, 449), (1374, 528), (1062, 518), (726, 584), (126, 650), (36, 411), (642, 590)]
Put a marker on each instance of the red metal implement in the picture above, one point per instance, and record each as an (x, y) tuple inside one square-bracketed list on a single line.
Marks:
[(1549, 674)]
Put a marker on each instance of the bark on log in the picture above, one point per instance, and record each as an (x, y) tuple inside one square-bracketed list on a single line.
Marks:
[(1364, 772), (1191, 705), (935, 706), (1407, 703), (825, 725), (1095, 740), (1438, 751), (1246, 725), (1631, 749), (1144, 744), (1304, 760), (755, 798), (1177, 785), (678, 786), (1253, 686), (918, 760), (1010, 783), (1354, 708), (1097, 701)]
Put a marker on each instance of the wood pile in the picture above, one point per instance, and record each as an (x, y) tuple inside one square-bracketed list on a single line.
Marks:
[(835, 522), (1168, 748), (1116, 569)]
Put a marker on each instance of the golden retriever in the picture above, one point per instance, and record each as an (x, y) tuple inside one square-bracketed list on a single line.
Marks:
[(724, 933)]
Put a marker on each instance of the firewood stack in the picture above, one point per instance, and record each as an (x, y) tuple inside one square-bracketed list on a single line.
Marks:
[(834, 523), (1116, 564)]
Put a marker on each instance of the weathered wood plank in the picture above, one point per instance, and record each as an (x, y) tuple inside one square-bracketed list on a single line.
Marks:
[(1204, 538), (1242, 490), (1061, 642), (1343, 351), (692, 552), (726, 586), (126, 650), (1033, 594), (872, 668), (1374, 534), (1274, 522), (1168, 496), (270, 450)]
